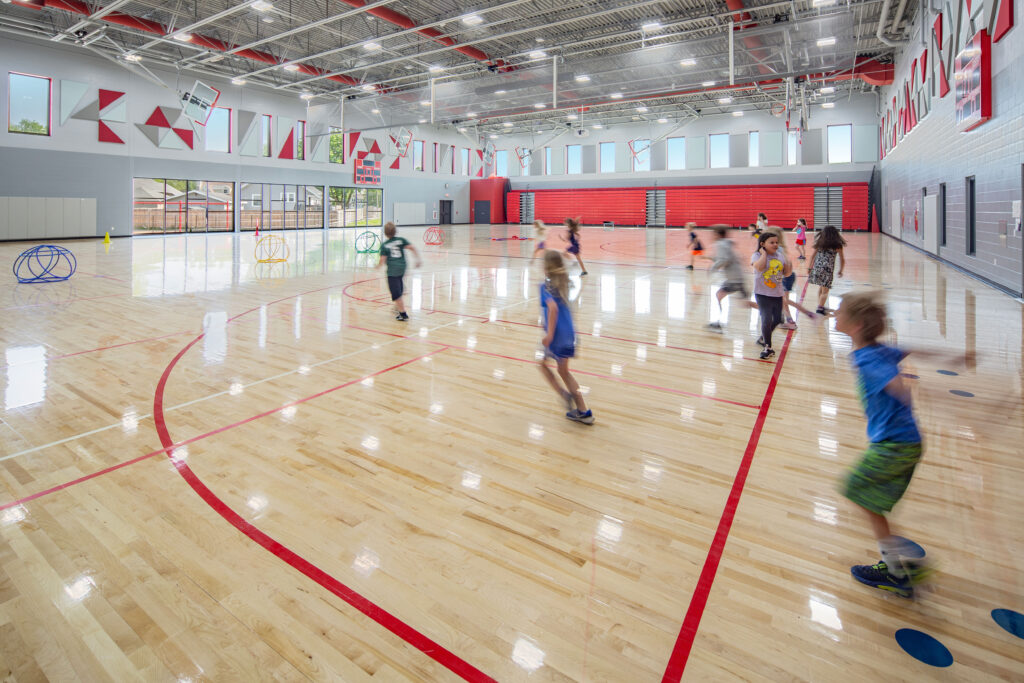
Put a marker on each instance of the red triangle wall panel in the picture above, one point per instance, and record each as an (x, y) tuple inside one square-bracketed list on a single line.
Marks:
[(107, 135), (157, 118), (394, 164), (375, 148), (185, 134), (108, 97), (288, 151)]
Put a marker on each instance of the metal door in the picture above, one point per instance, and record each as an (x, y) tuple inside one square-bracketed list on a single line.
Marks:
[(482, 211), (445, 212)]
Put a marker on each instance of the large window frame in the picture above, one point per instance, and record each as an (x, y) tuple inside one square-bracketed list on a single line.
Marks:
[(465, 160), (266, 136), (24, 125), (417, 155), (641, 162), (169, 205), (213, 121), (501, 163), (547, 161), (971, 214), (604, 167), (792, 145), (840, 143), (717, 156), (355, 207), (573, 159), (300, 140), (754, 148), (675, 153), (336, 145)]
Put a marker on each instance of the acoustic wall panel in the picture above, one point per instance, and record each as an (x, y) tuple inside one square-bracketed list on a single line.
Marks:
[(770, 148), (739, 150), (72, 210), (865, 143), (18, 215), (696, 153), (410, 213), (54, 223), (35, 217), (88, 217), (811, 150), (5, 221)]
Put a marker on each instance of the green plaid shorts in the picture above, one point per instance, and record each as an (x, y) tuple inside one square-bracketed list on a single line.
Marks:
[(882, 475)]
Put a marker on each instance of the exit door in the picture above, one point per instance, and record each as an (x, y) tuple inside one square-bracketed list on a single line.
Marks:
[(482, 211), (445, 212)]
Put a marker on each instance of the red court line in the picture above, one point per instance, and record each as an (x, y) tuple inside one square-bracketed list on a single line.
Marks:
[(688, 631), (101, 348), (392, 623)]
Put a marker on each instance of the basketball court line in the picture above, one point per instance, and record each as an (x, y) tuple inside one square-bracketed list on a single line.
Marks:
[(698, 601)]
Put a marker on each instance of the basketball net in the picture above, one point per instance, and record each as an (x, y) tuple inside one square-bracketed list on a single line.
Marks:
[(523, 154)]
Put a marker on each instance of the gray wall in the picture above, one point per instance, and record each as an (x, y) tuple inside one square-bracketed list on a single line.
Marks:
[(934, 152)]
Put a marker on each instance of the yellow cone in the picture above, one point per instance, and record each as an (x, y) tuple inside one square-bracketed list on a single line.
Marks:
[(106, 238)]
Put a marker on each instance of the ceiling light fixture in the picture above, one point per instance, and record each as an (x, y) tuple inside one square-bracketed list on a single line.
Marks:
[(538, 54), (369, 87), (539, 39), (472, 20), (471, 114), (307, 95), (371, 46), (261, 5), (651, 26), (688, 62), (425, 103), (462, 130), (642, 110), (825, 42), (828, 105), (131, 57), (616, 96), (434, 68), (507, 124), (375, 111), (183, 37), (493, 136), (539, 105), (423, 120), (268, 19), (724, 100), (597, 126), (662, 120), (238, 81), (708, 84), (290, 67), (737, 113), (582, 78), (499, 92), (572, 117), (827, 90), (823, 3)]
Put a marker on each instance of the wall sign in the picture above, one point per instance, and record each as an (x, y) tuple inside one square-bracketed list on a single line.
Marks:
[(367, 171), (972, 83)]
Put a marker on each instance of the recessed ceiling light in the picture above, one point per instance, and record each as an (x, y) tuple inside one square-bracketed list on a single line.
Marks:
[(371, 46), (183, 37), (539, 105), (827, 90), (651, 26), (662, 120), (507, 124), (369, 87), (582, 78), (828, 105), (724, 100), (261, 5), (434, 68), (307, 95), (598, 126), (375, 111), (539, 39), (642, 110), (238, 81), (268, 19), (290, 67), (616, 96), (213, 59), (499, 92), (132, 58), (737, 113), (687, 62), (425, 103), (423, 120), (471, 114), (708, 84), (493, 136), (572, 117), (825, 42), (538, 54), (472, 20)]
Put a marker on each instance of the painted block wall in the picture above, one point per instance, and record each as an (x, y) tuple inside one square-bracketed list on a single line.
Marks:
[(934, 152), (72, 162)]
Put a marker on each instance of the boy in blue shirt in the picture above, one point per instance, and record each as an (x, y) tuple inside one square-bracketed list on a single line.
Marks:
[(879, 479)]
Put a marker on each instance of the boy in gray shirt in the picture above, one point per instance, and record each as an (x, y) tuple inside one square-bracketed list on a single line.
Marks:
[(725, 259)]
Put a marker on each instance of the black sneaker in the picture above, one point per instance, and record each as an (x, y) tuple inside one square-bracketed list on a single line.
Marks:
[(767, 353), (821, 310), (402, 316), (715, 326), (760, 341), (583, 273), (689, 267), (878, 576)]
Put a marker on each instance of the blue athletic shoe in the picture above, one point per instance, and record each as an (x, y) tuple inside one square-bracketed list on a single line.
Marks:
[(878, 576), (586, 418)]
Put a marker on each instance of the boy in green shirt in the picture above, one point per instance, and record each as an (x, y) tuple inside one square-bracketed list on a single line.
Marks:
[(392, 252)]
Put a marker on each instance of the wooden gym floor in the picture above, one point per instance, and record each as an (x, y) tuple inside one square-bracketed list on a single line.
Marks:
[(212, 469)]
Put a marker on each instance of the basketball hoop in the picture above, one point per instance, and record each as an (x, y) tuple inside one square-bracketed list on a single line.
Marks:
[(401, 142), (489, 154), (638, 147), (778, 109), (523, 154)]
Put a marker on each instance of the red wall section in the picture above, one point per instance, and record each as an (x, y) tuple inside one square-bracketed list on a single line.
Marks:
[(492, 190), (735, 205)]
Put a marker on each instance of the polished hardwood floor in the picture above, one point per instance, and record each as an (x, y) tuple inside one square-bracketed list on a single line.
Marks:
[(213, 469)]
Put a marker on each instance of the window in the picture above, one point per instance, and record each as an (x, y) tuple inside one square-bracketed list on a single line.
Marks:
[(266, 136), (501, 163), (300, 140), (942, 214), (28, 108), (607, 150), (574, 159), (718, 150), (971, 210), (840, 144), (417, 155), (792, 141), (547, 161), (451, 157), (641, 155), (465, 160), (754, 151), (337, 146), (355, 207), (164, 205), (676, 151), (435, 157), (314, 204), (218, 130)]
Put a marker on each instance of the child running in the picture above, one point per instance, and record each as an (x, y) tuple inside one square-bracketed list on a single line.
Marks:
[(787, 284), (771, 266), (827, 244), (877, 482), (560, 337), (574, 242), (725, 259), (801, 237), (392, 252), (540, 230), (695, 247)]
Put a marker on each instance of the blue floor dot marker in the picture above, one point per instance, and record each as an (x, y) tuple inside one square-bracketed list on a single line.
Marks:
[(1010, 620), (948, 372), (961, 392), (909, 549), (909, 376), (923, 647)]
